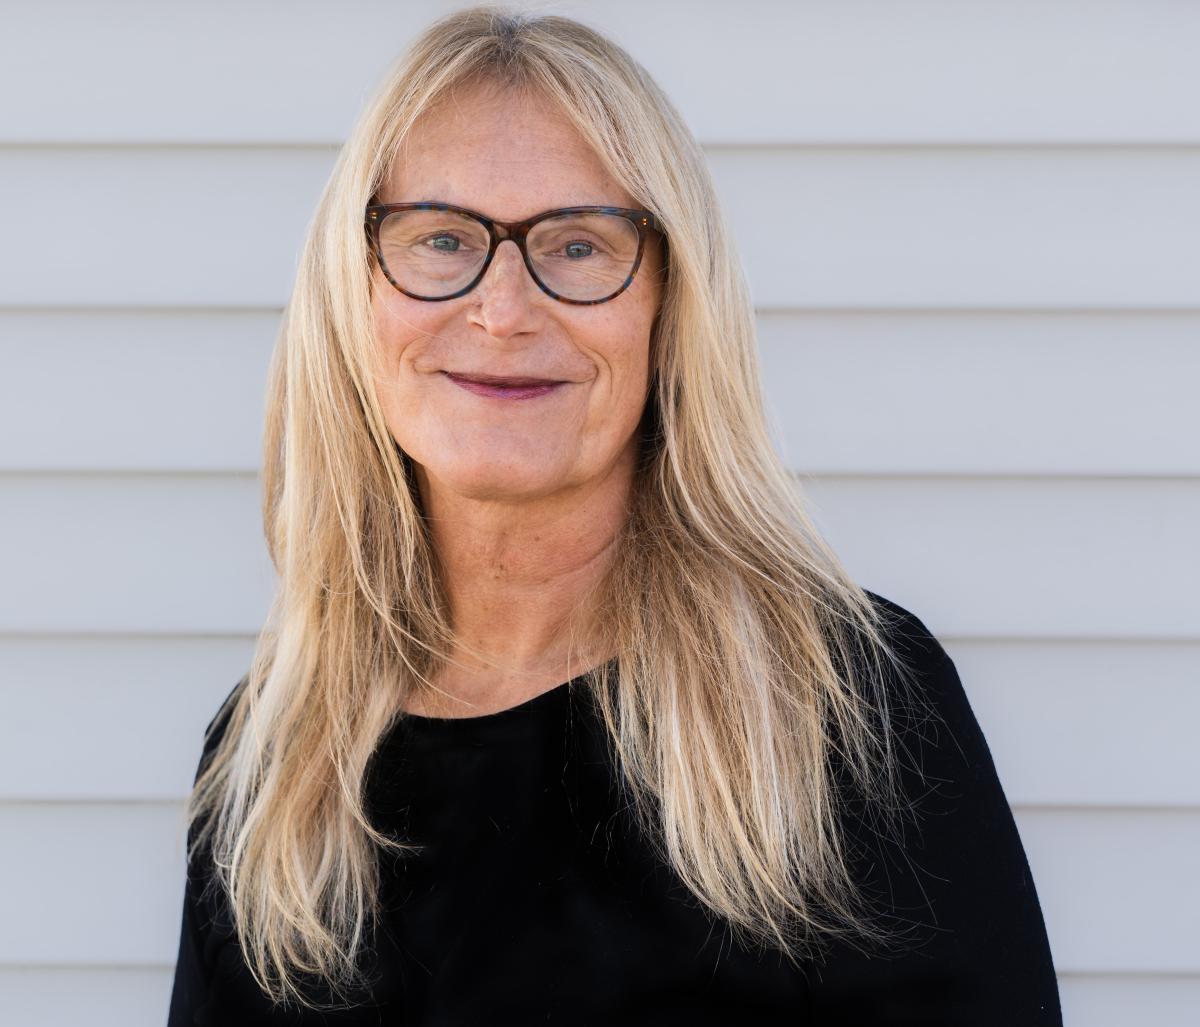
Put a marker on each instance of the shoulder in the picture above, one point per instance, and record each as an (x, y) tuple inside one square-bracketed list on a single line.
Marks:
[(951, 877), (946, 773), (948, 767), (934, 717), (929, 669), (908, 632)]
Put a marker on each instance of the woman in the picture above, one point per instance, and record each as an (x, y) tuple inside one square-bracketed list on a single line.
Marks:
[(563, 712)]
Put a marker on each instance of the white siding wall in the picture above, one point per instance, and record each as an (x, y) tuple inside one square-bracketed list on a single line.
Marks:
[(982, 353)]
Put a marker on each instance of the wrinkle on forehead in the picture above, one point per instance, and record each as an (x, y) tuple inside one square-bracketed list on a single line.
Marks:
[(497, 169)]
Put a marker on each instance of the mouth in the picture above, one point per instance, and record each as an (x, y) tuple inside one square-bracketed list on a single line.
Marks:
[(504, 387)]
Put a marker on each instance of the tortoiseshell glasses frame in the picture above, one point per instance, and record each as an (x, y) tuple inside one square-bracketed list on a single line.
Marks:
[(517, 231)]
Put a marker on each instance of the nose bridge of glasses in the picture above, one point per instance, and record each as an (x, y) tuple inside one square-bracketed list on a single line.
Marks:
[(511, 231), (516, 245), (518, 271), (502, 232)]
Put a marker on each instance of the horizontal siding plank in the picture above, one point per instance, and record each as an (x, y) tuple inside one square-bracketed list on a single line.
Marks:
[(843, 228), (1118, 888), (1097, 723), (180, 391), (60, 853), (134, 554), (110, 718), (1118, 1000), (986, 557), (821, 71), (997, 228), (1022, 557), (123, 719), (988, 393), (156, 227), (1016, 393), (99, 996)]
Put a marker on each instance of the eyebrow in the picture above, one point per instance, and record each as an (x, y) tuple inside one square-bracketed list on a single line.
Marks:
[(517, 220)]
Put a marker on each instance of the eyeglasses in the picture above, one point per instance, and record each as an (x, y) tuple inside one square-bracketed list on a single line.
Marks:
[(435, 251)]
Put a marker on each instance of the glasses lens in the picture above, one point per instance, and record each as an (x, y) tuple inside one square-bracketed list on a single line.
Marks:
[(432, 253), (584, 256)]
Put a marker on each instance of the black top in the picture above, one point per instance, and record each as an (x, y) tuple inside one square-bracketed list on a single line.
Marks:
[(533, 901)]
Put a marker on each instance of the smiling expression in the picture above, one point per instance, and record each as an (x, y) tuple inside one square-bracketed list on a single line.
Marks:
[(577, 374)]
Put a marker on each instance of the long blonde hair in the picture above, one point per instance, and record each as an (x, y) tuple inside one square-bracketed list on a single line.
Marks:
[(747, 659)]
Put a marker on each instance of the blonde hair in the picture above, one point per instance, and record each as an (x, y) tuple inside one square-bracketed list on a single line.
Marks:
[(749, 665)]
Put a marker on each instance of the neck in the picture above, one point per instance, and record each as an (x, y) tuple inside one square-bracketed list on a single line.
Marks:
[(519, 577)]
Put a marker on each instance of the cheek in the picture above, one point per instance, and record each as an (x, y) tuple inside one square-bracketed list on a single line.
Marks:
[(622, 346), (389, 321), (400, 324), (398, 342), (641, 320)]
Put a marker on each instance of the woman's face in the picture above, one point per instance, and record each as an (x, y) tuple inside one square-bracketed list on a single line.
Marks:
[(510, 157)]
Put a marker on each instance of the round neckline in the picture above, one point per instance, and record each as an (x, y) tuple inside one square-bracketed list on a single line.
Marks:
[(534, 704)]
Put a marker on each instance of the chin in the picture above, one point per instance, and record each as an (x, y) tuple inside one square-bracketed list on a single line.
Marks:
[(496, 481)]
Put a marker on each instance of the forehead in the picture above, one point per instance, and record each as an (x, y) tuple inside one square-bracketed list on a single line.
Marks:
[(506, 154)]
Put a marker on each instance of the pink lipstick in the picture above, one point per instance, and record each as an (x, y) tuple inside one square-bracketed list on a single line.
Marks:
[(504, 388)]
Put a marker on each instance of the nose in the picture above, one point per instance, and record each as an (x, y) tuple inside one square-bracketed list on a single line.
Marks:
[(506, 293)]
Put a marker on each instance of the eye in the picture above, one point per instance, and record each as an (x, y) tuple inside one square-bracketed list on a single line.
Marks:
[(578, 249), (444, 242)]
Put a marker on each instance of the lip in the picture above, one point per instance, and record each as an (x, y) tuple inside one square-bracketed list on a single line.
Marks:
[(504, 387)]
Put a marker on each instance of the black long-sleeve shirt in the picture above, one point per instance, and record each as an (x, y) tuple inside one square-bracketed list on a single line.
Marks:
[(533, 901)]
